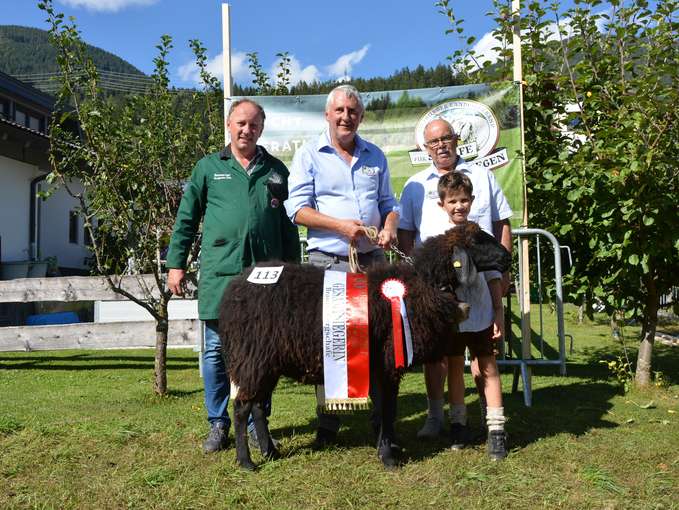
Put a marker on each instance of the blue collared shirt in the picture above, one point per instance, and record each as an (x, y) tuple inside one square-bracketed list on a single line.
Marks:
[(321, 179), (421, 213)]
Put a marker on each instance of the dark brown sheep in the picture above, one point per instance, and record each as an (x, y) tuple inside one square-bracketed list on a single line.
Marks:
[(271, 331)]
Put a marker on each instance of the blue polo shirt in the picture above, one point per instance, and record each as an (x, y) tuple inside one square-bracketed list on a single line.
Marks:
[(321, 179)]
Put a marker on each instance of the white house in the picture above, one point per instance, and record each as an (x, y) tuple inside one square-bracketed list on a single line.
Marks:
[(32, 229)]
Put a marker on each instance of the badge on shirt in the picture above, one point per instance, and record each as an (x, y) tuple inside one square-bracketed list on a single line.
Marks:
[(370, 171), (221, 177), (265, 275), (433, 194)]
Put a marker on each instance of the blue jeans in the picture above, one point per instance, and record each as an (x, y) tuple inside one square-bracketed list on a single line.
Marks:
[(216, 379)]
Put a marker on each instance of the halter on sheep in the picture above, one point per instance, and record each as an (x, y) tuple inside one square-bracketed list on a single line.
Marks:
[(269, 331)]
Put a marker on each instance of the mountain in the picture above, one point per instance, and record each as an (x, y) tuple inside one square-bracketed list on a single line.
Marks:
[(26, 53)]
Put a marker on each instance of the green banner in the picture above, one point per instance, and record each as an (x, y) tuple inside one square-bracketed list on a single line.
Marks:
[(485, 116)]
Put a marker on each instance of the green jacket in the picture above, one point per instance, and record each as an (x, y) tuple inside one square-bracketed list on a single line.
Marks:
[(242, 223)]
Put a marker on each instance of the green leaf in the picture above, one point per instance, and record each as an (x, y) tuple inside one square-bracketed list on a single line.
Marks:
[(648, 220), (565, 229), (633, 259), (574, 194)]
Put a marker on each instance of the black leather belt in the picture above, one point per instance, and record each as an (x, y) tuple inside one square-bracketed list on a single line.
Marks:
[(338, 258)]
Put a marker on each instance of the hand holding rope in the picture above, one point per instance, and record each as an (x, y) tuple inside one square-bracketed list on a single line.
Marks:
[(372, 234)]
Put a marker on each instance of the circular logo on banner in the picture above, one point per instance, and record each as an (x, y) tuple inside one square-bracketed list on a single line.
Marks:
[(473, 122)]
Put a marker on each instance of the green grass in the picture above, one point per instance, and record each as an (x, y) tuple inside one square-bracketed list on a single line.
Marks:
[(81, 429)]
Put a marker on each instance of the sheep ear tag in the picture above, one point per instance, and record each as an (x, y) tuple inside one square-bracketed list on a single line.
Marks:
[(395, 291), (265, 275)]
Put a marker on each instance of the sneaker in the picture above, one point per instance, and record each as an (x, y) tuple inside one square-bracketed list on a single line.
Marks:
[(324, 438), (217, 438), (431, 429), (460, 436), (497, 444)]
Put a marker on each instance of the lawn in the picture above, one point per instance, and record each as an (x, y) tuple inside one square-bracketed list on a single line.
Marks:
[(81, 429)]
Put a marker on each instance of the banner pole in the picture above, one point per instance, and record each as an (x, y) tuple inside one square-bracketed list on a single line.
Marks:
[(524, 265), (226, 63)]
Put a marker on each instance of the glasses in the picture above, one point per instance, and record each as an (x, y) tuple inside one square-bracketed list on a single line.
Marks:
[(438, 142)]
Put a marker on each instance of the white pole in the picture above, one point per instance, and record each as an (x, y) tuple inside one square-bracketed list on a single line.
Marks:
[(524, 269), (226, 63)]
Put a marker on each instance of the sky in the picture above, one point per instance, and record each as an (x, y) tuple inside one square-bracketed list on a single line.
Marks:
[(326, 40)]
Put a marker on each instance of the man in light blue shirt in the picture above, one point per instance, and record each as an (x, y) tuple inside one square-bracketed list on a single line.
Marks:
[(338, 185)]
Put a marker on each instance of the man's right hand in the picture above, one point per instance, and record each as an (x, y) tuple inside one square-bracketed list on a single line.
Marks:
[(352, 229), (175, 279)]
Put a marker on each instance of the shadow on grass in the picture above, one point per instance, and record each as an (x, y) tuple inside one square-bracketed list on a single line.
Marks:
[(513, 342), (183, 393), (665, 358), (571, 409), (89, 362)]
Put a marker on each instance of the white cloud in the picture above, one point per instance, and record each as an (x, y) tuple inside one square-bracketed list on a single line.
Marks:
[(342, 67), (340, 70), (483, 50), (106, 5), (307, 74), (189, 71)]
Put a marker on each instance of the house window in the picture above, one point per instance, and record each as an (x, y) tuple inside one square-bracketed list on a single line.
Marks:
[(4, 107), (73, 227), (20, 117), (30, 119), (87, 237)]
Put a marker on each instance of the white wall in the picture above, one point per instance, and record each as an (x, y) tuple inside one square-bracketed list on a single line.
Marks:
[(125, 311), (15, 191), (54, 220)]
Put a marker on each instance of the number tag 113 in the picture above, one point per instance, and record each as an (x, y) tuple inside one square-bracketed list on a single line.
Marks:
[(265, 275)]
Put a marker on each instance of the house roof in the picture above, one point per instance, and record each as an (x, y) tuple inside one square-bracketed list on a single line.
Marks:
[(3, 120), (26, 92)]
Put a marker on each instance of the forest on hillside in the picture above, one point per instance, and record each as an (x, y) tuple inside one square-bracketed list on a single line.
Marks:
[(26, 53), (26, 50)]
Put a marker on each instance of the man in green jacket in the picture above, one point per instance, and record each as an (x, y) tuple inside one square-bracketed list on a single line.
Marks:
[(238, 193)]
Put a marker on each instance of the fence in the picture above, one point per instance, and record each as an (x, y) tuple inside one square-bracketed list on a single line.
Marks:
[(88, 335), (188, 332), (522, 363)]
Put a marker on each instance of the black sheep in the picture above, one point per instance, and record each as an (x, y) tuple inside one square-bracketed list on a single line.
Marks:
[(271, 331)]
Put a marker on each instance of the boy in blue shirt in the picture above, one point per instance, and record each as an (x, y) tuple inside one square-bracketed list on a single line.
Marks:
[(480, 332)]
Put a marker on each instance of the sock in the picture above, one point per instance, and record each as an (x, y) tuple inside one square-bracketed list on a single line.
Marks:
[(483, 406), (435, 408), (496, 418), (457, 413)]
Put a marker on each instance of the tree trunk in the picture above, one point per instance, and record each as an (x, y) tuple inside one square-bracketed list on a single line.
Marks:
[(643, 372), (160, 364)]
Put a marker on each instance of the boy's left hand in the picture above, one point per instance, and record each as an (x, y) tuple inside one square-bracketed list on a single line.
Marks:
[(499, 325)]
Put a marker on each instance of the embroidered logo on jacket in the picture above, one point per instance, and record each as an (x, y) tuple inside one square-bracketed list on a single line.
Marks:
[(221, 177)]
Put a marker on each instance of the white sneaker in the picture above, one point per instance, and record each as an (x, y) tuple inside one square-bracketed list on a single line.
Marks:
[(432, 428)]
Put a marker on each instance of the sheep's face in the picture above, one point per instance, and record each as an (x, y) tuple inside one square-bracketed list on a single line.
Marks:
[(482, 248), (453, 258)]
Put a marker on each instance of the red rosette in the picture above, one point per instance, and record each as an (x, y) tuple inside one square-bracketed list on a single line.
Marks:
[(394, 290)]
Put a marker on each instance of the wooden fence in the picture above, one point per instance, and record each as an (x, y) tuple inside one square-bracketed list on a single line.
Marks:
[(89, 335)]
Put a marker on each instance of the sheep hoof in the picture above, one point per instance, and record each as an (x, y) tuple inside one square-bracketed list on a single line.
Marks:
[(272, 454), (387, 454), (247, 465)]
